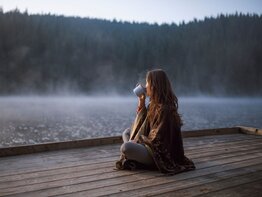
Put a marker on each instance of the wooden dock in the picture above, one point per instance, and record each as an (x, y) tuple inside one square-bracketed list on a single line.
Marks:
[(228, 163)]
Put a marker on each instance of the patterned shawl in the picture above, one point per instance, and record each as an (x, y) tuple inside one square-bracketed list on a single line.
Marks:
[(163, 137)]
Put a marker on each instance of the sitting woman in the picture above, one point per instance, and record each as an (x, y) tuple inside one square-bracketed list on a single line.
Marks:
[(154, 140)]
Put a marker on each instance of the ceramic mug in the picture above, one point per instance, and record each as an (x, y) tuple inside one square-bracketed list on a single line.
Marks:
[(139, 90)]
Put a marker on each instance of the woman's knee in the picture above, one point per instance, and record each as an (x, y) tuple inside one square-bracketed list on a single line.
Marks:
[(126, 135), (127, 131), (126, 147), (136, 152)]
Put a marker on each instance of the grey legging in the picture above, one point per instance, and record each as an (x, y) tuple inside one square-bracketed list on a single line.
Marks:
[(135, 151)]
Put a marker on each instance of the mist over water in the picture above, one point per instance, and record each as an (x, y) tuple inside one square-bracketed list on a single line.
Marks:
[(34, 119)]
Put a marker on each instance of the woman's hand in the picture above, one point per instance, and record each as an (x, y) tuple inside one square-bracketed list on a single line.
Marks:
[(141, 101), (133, 141)]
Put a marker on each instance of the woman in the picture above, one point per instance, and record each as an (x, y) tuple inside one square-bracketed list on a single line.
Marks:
[(155, 137)]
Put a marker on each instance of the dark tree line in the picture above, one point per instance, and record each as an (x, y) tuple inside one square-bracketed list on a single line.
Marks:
[(49, 54)]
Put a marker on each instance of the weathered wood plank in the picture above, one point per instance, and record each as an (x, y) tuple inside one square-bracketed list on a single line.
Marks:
[(72, 168), (52, 167), (40, 163), (221, 147), (74, 171), (55, 153), (194, 154), (193, 186), (97, 153), (28, 179), (147, 183), (26, 149), (15, 169), (210, 141), (207, 138), (250, 130), (201, 185), (252, 189), (85, 182), (89, 171), (205, 132), (212, 186)]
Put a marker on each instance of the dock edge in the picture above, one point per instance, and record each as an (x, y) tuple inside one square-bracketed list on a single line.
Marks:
[(52, 146)]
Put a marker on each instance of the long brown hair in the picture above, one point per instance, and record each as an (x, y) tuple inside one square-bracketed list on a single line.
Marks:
[(161, 95)]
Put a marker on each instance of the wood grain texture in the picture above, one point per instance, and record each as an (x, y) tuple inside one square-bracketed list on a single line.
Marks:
[(225, 164)]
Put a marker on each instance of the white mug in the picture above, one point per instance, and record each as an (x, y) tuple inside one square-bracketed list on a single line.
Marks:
[(139, 90)]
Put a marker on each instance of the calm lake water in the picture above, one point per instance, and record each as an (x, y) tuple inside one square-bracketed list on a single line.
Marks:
[(31, 120)]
